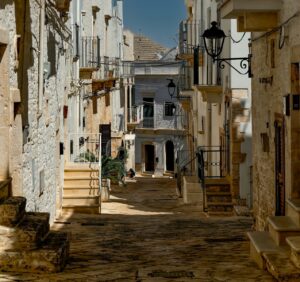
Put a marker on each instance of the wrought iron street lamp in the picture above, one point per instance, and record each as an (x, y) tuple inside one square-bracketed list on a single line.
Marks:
[(171, 87), (214, 39)]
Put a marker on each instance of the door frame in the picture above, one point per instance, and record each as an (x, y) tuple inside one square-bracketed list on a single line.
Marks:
[(144, 156), (165, 147), (279, 150)]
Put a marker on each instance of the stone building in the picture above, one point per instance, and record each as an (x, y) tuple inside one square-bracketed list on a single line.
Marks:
[(275, 107), (35, 56), (160, 132), (99, 39), (219, 105)]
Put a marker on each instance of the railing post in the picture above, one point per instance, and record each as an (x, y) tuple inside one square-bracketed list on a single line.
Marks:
[(98, 52)]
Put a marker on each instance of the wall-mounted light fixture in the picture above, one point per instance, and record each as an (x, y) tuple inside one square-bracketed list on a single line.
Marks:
[(214, 39), (171, 87)]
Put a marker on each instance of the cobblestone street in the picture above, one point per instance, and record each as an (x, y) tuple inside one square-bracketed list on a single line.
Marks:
[(146, 234)]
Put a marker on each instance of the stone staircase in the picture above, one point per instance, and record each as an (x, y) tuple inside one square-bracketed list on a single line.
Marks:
[(278, 249), (81, 189), (26, 242), (218, 197)]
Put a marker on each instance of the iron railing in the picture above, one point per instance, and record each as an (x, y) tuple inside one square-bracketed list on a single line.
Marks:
[(128, 69), (189, 36), (186, 78), (90, 52), (135, 114), (210, 163)]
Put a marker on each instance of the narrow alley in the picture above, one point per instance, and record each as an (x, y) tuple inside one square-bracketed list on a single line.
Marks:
[(145, 233)]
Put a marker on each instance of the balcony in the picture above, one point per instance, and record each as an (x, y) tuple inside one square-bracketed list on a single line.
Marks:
[(158, 119), (189, 37), (89, 58), (135, 116), (210, 93), (254, 15), (105, 77), (128, 69)]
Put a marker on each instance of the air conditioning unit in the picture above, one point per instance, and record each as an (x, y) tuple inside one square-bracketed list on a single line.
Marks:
[(63, 5)]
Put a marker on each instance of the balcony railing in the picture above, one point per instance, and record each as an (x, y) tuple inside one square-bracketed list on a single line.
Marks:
[(128, 69), (135, 114), (186, 78), (90, 52), (156, 117), (189, 37)]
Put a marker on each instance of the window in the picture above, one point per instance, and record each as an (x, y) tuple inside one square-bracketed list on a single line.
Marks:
[(169, 109)]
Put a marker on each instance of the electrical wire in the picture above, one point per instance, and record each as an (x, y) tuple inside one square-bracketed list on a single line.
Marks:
[(266, 34), (237, 41)]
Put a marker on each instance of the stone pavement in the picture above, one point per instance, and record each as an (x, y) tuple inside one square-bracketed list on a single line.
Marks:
[(146, 234)]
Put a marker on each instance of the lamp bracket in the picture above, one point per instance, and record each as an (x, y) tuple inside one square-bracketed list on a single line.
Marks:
[(245, 64)]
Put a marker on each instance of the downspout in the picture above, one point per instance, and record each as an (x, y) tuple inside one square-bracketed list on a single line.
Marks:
[(41, 58)]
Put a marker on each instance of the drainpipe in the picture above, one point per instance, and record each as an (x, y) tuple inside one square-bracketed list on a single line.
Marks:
[(41, 57)]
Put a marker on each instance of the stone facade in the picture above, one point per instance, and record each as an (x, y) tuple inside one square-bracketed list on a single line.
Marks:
[(35, 61), (275, 76), (221, 102)]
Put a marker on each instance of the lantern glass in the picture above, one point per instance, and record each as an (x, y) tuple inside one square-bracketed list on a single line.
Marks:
[(214, 38), (171, 88)]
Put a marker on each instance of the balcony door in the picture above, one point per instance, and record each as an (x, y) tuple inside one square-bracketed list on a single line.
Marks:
[(148, 112)]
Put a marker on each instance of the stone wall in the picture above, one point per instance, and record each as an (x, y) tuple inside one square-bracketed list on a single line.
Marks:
[(36, 126), (271, 82)]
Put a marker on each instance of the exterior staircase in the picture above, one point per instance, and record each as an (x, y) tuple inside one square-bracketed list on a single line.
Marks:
[(218, 197), (26, 242), (278, 249), (81, 189)]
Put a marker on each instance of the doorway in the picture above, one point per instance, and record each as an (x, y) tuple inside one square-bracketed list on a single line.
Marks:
[(169, 156), (149, 158), (279, 168)]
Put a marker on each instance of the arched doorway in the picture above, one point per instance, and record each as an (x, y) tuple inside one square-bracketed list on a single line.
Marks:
[(169, 156)]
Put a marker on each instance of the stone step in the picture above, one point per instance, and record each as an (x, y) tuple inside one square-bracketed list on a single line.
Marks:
[(293, 210), (81, 173), (261, 242), (91, 209), (218, 197), (217, 188), (81, 181), (12, 210), (81, 200), (281, 267), (294, 244), (220, 214), (27, 234), (220, 207), (81, 191), (281, 227), (50, 257)]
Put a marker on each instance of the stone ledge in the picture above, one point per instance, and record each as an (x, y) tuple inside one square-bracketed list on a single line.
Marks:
[(27, 234), (51, 257), (283, 223), (12, 210)]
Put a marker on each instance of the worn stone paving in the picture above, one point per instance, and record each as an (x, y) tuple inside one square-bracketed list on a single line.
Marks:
[(145, 233)]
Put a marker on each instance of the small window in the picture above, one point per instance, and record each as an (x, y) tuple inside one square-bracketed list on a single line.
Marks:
[(169, 109)]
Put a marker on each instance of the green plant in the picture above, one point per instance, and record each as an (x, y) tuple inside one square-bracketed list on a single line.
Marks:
[(87, 156), (113, 169)]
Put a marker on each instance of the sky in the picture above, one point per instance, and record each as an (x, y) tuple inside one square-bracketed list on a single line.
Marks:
[(156, 19)]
